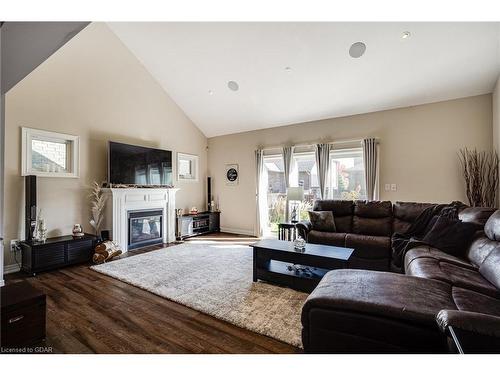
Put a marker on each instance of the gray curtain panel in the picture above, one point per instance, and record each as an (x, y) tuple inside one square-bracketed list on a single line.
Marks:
[(323, 163), (370, 157), (259, 164), (287, 153)]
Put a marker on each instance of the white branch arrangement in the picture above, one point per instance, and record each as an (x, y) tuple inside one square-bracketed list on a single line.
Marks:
[(97, 203)]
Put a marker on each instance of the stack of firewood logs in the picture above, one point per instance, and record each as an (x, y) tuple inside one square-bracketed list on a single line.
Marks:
[(105, 251)]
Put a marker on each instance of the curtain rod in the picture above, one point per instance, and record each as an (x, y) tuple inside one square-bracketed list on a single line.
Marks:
[(313, 143)]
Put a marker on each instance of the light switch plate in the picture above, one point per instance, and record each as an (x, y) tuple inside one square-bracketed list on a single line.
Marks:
[(387, 187), (394, 187)]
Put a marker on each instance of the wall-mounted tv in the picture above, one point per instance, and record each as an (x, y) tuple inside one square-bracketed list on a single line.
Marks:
[(137, 165)]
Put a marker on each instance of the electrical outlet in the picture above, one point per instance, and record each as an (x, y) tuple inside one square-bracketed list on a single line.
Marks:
[(394, 187), (387, 187), (13, 245)]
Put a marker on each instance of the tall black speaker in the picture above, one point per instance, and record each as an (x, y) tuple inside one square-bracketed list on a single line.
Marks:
[(30, 206), (209, 194)]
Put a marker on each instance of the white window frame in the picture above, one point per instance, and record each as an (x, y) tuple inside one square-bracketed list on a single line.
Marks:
[(29, 134), (346, 150), (194, 159)]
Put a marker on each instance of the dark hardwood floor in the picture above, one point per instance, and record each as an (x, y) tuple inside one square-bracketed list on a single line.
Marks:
[(88, 312)]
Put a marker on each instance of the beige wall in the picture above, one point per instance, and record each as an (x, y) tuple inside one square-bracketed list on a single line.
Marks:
[(419, 148), (95, 88), (496, 121)]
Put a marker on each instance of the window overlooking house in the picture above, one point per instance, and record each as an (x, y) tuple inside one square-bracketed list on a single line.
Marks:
[(347, 175), (307, 178), (347, 181), (276, 191), (49, 155), (187, 167)]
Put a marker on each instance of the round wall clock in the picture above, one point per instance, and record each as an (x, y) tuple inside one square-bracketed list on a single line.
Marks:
[(231, 174)]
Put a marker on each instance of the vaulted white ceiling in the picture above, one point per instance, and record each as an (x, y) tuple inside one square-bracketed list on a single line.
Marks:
[(439, 61)]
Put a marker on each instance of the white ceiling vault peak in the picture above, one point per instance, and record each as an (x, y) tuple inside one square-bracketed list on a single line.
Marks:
[(290, 72)]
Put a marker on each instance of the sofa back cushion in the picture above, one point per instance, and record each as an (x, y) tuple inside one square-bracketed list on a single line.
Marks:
[(405, 214), (326, 238), (489, 268), (476, 215), (479, 249), (450, 235), (342, 212), (372, 218)]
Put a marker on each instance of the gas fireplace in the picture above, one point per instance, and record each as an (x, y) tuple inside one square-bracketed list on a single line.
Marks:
[(145, 227)]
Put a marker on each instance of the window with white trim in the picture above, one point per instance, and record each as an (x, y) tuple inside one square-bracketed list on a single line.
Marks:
[(49, 154), (347, 174), (187, 167)]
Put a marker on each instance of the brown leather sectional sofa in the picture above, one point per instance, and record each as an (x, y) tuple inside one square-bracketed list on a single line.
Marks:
[(365, 226), (364, 311)]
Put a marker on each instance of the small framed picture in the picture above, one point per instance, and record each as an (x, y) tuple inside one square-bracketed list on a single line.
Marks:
[(232, 174)]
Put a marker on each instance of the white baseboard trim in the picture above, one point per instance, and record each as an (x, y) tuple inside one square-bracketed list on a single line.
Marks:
[(11, 268), (237, 231)]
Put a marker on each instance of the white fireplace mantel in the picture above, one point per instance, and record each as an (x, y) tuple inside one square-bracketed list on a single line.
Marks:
[(120, 201)]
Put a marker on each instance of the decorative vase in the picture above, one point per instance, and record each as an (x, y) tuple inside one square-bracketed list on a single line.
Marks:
[(299, 244), (41, 230), (77, 230)]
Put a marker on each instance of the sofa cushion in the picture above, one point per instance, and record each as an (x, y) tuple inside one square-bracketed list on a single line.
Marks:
[(372, 218), (373, 209), (476, 215), (424, 251), (372, 226), (322, 221), (480, 248), (492, 226), (451, 236), (452, 274), (369, 247), (405, 213), (490, 268), (381, 294), (326, 238), (338, 207), (343, 223), (469, 300), (342, 212)]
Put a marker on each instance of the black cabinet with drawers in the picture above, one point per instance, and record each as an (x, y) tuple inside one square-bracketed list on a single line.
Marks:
[(23, 311), (56, 252)]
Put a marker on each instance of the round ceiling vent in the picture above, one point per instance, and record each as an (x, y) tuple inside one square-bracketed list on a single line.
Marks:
[(232, 85), (357, 49)]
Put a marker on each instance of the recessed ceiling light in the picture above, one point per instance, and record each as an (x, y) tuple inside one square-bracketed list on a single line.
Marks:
[(233, 85), (288, 69), (406, 35), (210, 92), (357, 49)]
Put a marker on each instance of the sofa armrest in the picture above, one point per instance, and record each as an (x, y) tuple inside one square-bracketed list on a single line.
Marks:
[(470, 332), (303, 228), (481, 324)]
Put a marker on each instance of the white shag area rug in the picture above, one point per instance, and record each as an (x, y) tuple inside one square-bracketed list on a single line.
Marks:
[(215, 278)]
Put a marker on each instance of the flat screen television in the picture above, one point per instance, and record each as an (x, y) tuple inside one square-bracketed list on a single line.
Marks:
[(137, 165)]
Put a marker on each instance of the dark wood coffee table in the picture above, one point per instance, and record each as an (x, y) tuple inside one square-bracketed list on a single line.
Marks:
[(272, 258)]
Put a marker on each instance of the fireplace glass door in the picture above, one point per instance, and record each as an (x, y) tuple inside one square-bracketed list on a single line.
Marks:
[(145, 228)]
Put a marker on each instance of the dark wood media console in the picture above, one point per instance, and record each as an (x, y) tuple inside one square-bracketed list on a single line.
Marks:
[(56, 252), (201, 223)]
